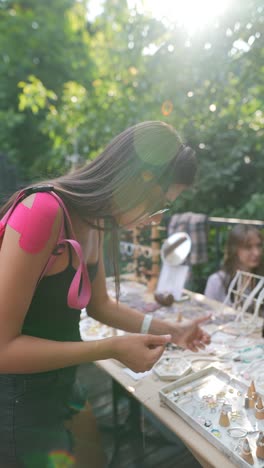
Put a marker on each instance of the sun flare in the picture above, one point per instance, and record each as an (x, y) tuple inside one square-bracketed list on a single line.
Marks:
[(191, 14)]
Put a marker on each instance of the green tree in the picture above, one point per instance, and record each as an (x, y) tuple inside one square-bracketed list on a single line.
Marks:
[(45, 39), (97, 78)]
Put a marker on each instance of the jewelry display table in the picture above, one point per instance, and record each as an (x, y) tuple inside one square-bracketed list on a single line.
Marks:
[(240, 356)]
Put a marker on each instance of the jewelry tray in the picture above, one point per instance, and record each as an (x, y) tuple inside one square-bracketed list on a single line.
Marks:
[(193, 405)]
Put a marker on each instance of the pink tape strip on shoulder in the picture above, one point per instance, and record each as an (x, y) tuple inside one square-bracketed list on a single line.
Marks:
[(35, 223)]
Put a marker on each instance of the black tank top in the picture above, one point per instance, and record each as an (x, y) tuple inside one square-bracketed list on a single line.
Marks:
[(49, 315)]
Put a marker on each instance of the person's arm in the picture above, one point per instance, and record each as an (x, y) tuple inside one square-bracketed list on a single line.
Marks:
[(106, 310), (19, 273), (26, 354)]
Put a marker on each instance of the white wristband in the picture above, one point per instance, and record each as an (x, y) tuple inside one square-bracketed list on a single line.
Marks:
[(145, 326)]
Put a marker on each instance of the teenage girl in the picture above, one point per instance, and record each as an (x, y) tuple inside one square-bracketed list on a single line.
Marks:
[(45, 281)]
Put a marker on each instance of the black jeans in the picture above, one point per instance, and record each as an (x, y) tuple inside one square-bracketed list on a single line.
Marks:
[(33, 409)]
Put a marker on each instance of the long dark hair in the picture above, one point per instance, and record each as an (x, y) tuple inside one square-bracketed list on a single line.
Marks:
[(137, 166), (239, 237)]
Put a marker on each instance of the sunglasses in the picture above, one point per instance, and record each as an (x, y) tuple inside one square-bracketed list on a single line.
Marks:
[(168, 207)]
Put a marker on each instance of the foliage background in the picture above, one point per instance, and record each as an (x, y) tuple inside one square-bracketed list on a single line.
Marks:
[(68, 85)]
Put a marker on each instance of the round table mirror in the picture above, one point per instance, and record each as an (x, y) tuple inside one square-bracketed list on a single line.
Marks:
[(176, 248)]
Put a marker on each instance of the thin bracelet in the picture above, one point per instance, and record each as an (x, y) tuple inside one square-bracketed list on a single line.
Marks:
[(145, 326)]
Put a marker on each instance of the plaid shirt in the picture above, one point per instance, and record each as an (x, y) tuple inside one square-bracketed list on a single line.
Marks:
[(195, 224)]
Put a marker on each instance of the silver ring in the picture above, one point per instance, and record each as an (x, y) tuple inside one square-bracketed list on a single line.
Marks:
[(237, 432)]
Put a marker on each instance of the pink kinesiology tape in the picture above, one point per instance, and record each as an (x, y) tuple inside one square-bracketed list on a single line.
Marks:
[(35, 224)]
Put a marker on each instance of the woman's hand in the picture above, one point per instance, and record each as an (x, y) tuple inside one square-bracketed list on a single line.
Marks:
[(139, 352), (191, 336)]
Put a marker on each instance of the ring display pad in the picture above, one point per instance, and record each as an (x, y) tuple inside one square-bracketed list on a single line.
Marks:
[(171, 368), (213, 403)]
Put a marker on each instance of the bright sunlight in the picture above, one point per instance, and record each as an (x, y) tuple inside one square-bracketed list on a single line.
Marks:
[(193, 15)]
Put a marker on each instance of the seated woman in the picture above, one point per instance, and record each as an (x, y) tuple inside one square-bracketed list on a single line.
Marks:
[(243, 251)]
